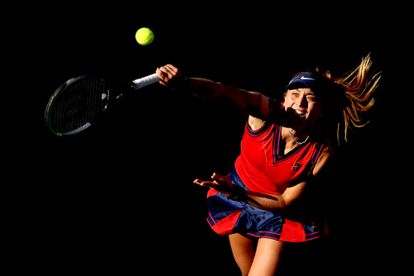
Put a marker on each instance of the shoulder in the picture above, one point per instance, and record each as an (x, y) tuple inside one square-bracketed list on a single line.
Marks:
[(255, 123), (323, 160)]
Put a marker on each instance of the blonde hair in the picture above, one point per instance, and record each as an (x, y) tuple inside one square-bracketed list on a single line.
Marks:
[(357, 88)]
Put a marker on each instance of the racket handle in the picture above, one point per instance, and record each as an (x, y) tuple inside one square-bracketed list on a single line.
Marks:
[(145, 81)]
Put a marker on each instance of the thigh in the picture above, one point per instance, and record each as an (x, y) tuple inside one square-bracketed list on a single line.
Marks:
[(267, 257), (243, 250)]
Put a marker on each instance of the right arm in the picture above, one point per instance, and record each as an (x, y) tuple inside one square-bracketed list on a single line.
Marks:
[(272, 202), (254, 103)]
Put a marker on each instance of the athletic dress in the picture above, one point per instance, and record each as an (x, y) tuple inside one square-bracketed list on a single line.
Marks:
[(262, 167)]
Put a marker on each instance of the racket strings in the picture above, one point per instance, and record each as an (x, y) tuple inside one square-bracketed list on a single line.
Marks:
[(77, 105)]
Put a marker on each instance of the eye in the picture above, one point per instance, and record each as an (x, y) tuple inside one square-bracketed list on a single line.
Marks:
[(311, 98)]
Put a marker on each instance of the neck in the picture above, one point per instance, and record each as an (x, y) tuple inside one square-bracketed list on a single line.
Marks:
[(298, 137)]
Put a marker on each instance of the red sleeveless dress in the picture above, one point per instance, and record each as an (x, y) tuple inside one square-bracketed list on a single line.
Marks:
[(262, 167)]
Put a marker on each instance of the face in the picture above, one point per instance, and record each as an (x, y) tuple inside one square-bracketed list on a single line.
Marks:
[(303, 104)]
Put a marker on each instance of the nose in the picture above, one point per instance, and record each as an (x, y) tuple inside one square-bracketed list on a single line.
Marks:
[(301, 101)]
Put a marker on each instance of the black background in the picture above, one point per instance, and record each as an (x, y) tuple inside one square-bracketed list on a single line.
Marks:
[(119, 197)]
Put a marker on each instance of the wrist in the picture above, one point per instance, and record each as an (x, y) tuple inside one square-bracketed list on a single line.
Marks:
[(238, 193), (183, 83)]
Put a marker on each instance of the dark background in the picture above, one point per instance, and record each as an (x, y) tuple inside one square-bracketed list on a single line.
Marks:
[(119, 197)]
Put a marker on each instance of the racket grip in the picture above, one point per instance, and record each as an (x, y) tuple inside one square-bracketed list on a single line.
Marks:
[(145, 81)]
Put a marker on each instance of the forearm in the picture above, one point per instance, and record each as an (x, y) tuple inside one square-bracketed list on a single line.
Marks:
[(223, 184), (207, 88), (259, 200), (280, 202), (264, 201), (254, 103), (251, 102)]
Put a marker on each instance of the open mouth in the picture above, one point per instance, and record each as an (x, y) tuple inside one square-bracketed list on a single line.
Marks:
[(300, 114)]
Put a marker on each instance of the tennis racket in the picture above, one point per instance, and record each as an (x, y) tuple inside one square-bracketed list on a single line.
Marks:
[(76, 104)]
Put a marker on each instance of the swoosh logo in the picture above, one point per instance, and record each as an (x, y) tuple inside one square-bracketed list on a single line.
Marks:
[(305, 78)]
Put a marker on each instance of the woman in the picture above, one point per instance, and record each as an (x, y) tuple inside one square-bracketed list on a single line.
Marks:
[(286, 149)]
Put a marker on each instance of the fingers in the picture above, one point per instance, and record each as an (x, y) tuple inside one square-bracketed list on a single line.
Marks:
[(171, 68), (167, 73), (217, 176), (221, 178), (217, 181), (198, 182), (206, 183)]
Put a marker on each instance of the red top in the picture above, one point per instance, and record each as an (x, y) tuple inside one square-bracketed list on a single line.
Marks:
[(264, 168)]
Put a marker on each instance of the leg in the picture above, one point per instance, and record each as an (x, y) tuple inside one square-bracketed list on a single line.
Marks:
[(243, 252), (267, 257)]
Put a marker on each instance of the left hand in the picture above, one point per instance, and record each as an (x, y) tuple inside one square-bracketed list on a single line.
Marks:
[(218, 182)]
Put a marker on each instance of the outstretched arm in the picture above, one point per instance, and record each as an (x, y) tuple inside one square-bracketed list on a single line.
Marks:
[(254, 103)]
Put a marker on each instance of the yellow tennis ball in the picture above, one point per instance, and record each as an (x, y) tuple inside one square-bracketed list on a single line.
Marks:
[(144, 36)]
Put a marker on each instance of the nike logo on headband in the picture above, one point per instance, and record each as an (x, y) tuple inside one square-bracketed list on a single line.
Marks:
[(305, 78)]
